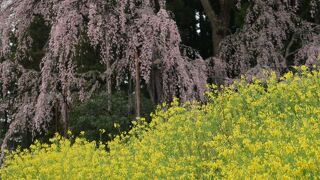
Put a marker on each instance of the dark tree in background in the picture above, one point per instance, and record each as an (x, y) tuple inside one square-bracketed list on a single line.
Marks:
[(195, 29)]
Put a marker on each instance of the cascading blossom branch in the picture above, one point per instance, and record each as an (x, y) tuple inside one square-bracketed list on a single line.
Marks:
[(145, 28), (274, 37), (123, 30)]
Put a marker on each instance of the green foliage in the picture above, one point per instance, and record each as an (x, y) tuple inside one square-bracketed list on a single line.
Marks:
[(93, 115), (258, 130)]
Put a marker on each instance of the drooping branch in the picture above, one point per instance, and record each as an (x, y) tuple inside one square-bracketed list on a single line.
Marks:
[(115, 29), (272, 32)]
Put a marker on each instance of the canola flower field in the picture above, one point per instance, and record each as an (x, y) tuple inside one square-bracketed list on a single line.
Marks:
[(249, 130)]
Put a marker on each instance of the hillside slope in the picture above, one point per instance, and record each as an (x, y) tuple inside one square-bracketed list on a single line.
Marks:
[(256, 130)]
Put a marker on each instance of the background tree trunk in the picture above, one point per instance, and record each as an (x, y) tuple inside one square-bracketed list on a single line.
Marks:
[(109, 88), (219, 22), (213, 18)]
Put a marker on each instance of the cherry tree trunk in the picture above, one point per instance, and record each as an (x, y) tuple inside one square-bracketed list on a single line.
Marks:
[(64, 116), (216, 40), (154, 86), (109, 89)]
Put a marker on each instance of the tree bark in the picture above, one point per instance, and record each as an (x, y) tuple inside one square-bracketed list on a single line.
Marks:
[(109, 88), (154, 86), (219, 23), (213, 18), (225, 14), (130, 101), (56, 116), (151, 87), (64, 115), (137, 87), (216, 39)]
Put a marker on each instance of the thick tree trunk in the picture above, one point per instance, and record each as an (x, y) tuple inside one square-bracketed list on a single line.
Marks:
[(216, 39), (225, 17), (137, 87), (219, 23), (56, 116), (158, 86), (64, 116), (130, 101), (225, 14), (154, 86), (151, 87), (213, 18)]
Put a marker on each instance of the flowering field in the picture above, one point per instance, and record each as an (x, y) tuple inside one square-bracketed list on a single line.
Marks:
[(256, 130)]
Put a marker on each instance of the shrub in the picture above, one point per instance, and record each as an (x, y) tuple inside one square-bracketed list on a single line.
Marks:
[(256, 130)]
